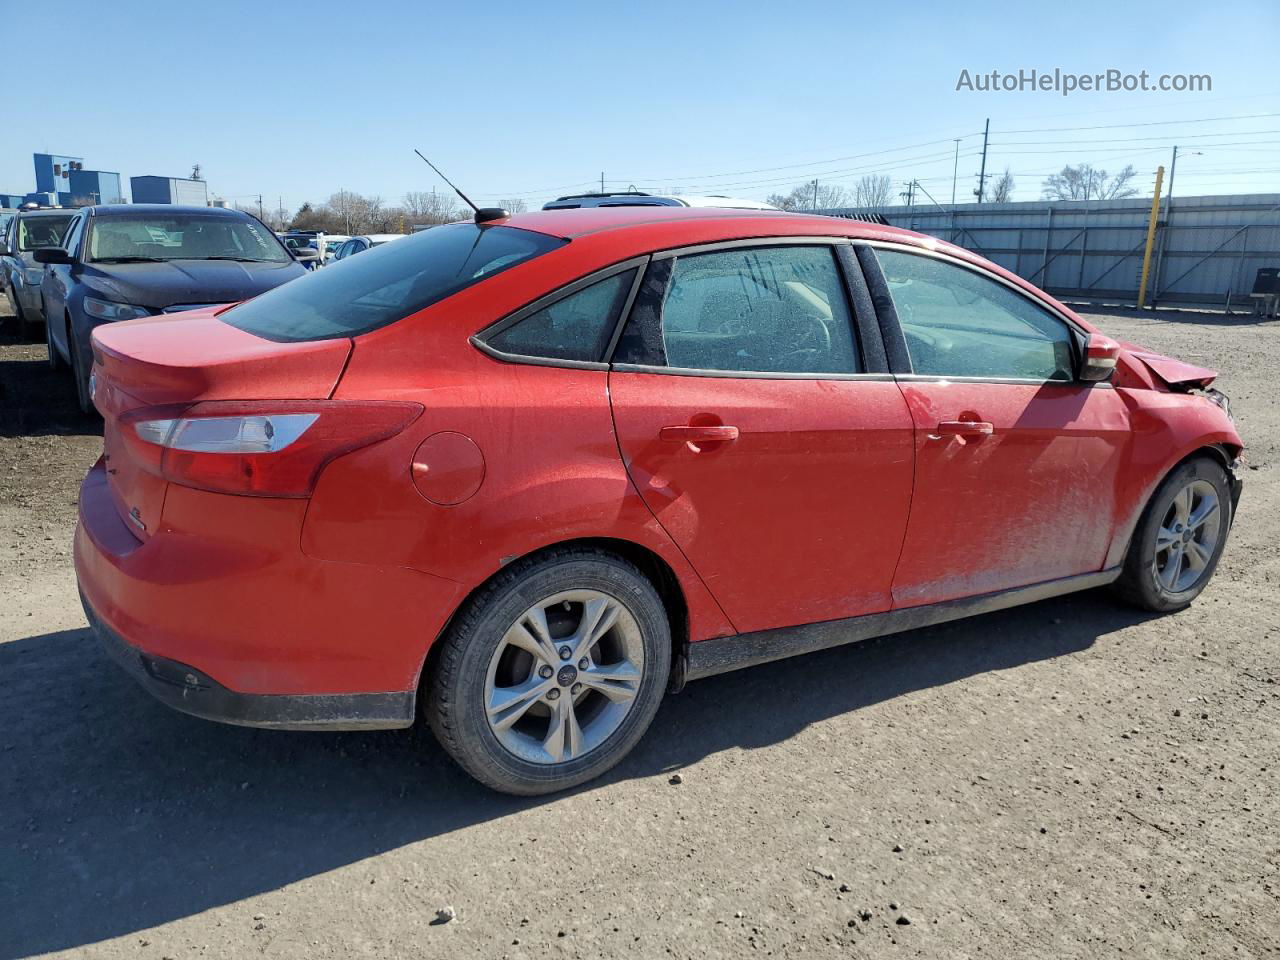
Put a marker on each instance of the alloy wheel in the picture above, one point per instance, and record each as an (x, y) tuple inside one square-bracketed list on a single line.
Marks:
[(1187, 537), (564, 676)]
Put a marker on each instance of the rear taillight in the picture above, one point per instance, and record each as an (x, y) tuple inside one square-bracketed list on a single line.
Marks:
[(261, 449)]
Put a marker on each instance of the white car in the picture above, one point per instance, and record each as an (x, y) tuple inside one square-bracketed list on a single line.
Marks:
[(637, 198)]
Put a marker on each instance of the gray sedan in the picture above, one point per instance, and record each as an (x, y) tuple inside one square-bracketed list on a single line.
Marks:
[(20, 275)]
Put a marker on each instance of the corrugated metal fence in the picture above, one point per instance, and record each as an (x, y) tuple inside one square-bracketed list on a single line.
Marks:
[(1207, 249)]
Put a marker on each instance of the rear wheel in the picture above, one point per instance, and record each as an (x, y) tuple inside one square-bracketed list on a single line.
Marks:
[(1179, 539), (552, 673)]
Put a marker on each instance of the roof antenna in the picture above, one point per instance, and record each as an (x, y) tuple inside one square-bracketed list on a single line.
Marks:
[(483, 214)]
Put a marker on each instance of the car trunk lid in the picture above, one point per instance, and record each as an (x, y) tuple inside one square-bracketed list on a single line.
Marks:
[(176, 362)]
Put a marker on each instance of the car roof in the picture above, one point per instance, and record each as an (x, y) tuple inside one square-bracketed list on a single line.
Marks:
[(54, 212), (380, 237), (121, 209), (728, 221)]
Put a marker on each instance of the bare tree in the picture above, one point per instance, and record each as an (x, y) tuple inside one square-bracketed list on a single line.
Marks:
[(1085, 182), (424, 206), (812, 196), (514, 205), (1002, 189), (873, 190)]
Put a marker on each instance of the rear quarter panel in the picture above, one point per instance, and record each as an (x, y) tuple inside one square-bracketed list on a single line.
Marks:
[(552, 471)]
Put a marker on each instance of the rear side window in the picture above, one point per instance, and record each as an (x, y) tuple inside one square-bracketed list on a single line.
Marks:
[(958, 323), (576, 327), (754, 309), (359, 294)]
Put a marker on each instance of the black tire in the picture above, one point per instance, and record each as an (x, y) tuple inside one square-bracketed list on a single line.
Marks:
[(455, 691), (55, 360), (21, 325), (78, 374), (1139, 583)]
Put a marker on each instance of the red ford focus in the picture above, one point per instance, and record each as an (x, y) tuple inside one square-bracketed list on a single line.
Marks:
[(523, 476)]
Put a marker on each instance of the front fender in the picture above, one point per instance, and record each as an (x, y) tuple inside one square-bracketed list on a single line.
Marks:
[(1168, 428)]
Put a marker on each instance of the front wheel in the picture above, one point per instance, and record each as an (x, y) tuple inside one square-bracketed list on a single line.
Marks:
[(79, 373), (552, 673), (53, 356), (1179, 539)]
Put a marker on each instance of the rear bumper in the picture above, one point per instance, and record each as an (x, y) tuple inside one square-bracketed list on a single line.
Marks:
[(185, 688), (222, 591)]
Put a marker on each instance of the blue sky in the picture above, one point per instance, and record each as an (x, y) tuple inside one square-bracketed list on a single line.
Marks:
[(297, 100)]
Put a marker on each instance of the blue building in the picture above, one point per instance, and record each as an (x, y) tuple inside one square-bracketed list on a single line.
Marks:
[(53, 174), (95, 186), (169, 190)]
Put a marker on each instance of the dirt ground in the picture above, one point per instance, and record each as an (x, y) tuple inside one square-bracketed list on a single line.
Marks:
[(1070, 779)]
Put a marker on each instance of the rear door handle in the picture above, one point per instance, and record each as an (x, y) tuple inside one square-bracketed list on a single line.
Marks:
[(694, 434), (965, 428)]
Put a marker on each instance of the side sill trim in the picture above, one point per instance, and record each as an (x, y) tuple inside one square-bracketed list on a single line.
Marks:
[(724, 654)]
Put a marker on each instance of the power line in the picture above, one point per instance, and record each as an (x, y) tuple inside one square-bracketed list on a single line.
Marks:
[(797, 166), (1145, 123), (1165, 139)]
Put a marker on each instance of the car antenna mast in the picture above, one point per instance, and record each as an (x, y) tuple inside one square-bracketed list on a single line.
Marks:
[(483, 214), (465, 198)]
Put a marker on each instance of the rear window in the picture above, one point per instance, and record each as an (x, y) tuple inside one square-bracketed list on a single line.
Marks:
[(386, 284)]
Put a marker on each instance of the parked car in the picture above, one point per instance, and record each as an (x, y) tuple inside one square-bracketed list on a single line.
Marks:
[(304, 248), (637, 198), (332, 242), (521, 477), (355, 245), (25, 233), (120, 262)]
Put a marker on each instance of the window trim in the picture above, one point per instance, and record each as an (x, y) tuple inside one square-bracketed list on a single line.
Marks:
[(479, 340), (889, 314), (860, 327)]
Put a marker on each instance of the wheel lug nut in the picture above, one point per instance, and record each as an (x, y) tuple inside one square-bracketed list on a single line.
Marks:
[(545, 672), (576, 689), (565, 653), (553, 694), (584, 663)]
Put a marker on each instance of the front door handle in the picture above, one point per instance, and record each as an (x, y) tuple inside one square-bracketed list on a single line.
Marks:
[(695, 435), (965, 428)]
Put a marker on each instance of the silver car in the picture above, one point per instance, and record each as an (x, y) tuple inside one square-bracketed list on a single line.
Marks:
[(28, 231)]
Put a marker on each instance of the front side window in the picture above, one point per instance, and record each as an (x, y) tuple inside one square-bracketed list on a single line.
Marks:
[(359, 294), (755, 310), (37, 232), (138, 237), (576, 327), (959, 323)]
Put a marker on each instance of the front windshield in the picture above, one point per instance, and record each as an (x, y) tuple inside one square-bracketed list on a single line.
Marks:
[(181, 237), (37, 232)]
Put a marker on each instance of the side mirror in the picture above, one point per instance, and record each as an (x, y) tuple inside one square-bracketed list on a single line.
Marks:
[(51, 255), (4, 249), (1100, 356)]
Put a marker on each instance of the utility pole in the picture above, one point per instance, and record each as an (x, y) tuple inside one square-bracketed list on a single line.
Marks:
[(982, 175), (815, 195), (260, 214), (910, 193), (1151, 236), (955, 169), (602, 181)]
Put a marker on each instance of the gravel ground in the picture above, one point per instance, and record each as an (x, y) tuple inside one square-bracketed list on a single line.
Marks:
[(1069, 779)]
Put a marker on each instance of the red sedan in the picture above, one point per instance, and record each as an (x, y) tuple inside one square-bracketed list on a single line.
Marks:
[(523, 476)]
